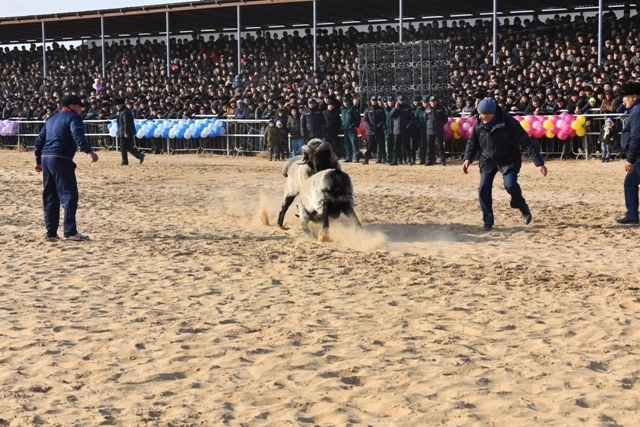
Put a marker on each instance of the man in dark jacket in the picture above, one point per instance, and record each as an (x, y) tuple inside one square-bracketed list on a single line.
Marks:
[(499, 137), (126, 130), (435, 117), (331, 130), (630, 143), (311, 121), (388, 129), (403, 122), (374, 121), (55, 147), (421, 123)]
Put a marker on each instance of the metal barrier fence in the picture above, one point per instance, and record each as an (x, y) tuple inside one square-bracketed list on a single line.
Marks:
[(246, 136)]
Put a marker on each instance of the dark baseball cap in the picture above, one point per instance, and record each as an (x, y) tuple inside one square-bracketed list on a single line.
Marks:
[(400, 98), (374, 98)]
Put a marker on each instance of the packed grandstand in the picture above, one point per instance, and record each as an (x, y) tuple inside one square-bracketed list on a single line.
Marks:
[(540, 67)]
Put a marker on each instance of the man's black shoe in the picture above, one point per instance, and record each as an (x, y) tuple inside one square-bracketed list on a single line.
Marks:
[(429, 164), (141, 158), (393, 164), (526, 217), (626, 220), (487, 227)]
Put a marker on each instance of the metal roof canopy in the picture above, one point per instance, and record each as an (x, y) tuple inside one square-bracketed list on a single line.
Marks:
[(220, 16)]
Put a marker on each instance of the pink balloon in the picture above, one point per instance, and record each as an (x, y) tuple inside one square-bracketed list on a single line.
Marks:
[(562, 135), (518, 117), (531, 119), (530, 130), (554, 119), (571, 133), (554, 129), (539, 133), (561, 124), (536, 125)]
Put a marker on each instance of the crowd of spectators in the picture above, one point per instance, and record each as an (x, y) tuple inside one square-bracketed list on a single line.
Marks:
[(540, 67)]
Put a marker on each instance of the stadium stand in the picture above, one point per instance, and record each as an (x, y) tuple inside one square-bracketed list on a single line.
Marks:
[(555, 60)]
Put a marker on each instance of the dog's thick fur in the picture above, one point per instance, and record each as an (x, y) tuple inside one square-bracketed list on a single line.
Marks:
[(325, 195)]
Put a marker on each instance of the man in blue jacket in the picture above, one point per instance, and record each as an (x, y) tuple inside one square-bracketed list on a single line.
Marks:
[(630, 143), (499, 137), (55, 147)]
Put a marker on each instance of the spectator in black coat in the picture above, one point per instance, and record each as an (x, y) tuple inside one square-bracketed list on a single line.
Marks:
[(311, 121), (126, 131), (374, 121), (436, 117), (331, 125), (403, 122)]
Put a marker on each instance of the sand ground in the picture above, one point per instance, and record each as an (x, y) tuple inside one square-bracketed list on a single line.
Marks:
[(185, 310)]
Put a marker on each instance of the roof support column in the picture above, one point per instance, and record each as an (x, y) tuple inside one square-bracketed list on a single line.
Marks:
[(495, 30), (44, 54), (166, 14), (401, 21), (315, 36), (239, 39), (600, 17), (104, 72)]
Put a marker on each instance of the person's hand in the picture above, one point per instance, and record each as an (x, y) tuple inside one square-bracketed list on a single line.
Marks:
[(543, 170), (126, 135), (38, 168), (93, 156), (628, 167), (465, 166)]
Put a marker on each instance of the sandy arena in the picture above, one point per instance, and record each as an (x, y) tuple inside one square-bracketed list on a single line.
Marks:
[(185, 310)]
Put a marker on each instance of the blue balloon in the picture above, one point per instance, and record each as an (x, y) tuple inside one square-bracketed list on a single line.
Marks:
[(196, 133), (150, 130), (180, 132), (165, 133)]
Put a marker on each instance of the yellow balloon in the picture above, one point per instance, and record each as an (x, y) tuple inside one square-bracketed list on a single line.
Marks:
[(547, 124), (580, 131), (581, 119), (525, 124), (575, 125), (455, 134), (550, 134), (455, 126)]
